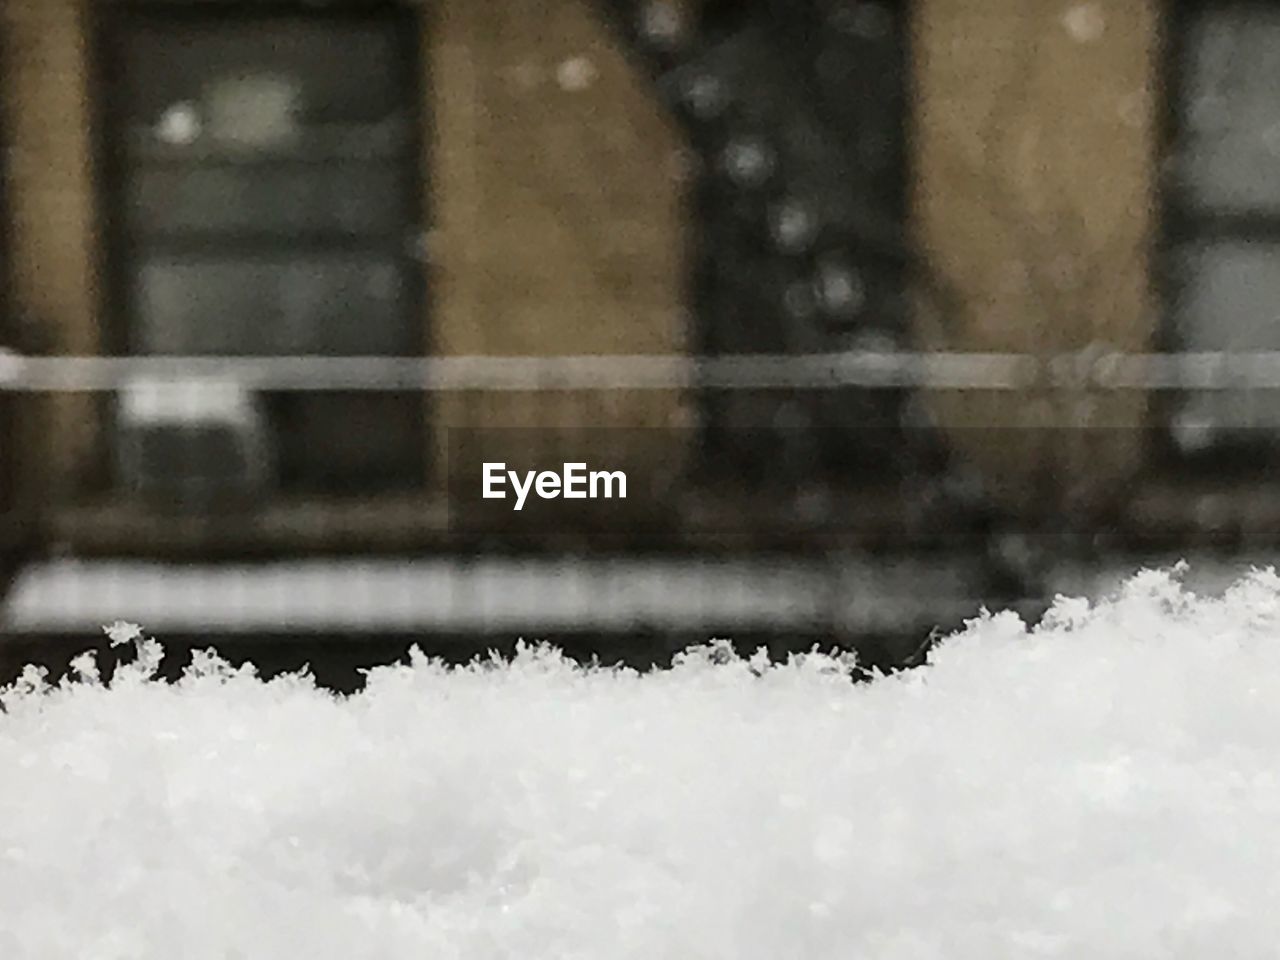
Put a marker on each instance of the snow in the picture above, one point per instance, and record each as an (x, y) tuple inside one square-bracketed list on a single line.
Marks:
[(1085, 22), (1106, 784)]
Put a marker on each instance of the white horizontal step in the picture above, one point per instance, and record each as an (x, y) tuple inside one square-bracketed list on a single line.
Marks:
[(503, 594)]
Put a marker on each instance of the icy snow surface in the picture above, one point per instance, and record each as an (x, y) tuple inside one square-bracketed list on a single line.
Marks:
[(1105, 785)]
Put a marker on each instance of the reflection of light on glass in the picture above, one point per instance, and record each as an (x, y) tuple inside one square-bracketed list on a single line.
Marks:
[(258, 110), (180, 124)]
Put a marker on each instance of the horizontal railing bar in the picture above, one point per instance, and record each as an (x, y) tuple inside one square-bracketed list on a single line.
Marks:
[(860, 369), (444, 374)]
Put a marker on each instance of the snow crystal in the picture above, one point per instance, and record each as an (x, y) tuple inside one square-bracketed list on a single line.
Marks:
[(122, 633), (1105, 784), (1085, 22), (576, 73)]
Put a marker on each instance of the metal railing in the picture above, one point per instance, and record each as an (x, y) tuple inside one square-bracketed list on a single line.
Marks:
[(1091, 368)]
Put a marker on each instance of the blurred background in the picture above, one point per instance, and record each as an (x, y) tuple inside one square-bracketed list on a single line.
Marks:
[(888, 310)]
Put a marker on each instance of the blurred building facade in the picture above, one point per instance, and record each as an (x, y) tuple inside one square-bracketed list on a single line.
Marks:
[(344, 179), (540, 178)]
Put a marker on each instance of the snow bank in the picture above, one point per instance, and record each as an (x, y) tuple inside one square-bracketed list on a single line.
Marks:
[(1105, 785)]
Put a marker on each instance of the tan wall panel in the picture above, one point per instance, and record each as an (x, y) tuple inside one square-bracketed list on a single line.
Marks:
[(558, 224), (53, 237), (1033, 160)]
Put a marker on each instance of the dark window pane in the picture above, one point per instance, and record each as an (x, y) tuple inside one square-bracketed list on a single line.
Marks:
[(351, 443), (337, 71), (339, 198), (192, 455), (336, 305), (1231, 297), (1231, 302), (1231, 104)]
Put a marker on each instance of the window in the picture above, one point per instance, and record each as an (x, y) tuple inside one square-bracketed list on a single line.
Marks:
[(264, 180), (1224, 205)]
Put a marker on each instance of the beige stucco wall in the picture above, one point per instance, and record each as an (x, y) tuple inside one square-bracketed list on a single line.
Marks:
[(558, 219), (53, 237), (1034, 141), (558, 226)]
